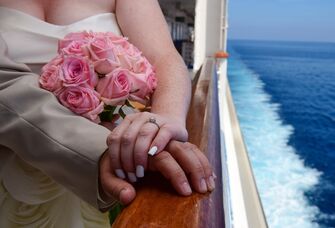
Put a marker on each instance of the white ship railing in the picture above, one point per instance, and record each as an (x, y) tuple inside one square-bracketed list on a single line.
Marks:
[(242, 205)]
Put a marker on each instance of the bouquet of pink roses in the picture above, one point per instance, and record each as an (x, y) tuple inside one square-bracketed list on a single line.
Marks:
[(96, 72)]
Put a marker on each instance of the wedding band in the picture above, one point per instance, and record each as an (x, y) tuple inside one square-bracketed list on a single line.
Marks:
[(153, 120)]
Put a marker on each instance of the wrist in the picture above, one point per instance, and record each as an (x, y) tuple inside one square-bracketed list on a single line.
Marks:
[(176, 118)]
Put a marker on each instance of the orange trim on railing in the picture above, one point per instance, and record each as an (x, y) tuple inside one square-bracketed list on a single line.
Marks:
[(221, 55)]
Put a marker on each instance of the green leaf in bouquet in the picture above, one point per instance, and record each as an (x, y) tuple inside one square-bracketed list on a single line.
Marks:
[(114, 212), (107, 115), (109, 108)]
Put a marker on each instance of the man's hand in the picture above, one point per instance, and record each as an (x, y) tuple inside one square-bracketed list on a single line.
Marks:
[(183, 164)]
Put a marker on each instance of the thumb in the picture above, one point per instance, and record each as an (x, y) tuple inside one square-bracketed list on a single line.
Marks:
[(113, 186)]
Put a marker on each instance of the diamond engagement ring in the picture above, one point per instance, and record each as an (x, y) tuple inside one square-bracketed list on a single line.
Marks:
[(153, 120)]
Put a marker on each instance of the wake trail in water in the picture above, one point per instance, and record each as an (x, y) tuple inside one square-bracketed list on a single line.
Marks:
[(281, 176)]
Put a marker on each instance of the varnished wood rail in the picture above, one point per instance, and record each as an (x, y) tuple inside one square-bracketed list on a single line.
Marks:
[(156, 203)]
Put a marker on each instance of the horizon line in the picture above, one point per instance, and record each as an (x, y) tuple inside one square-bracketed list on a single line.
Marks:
[(283, 40)]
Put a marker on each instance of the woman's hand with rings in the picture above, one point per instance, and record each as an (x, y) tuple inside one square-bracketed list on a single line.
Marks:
[(138, 135)]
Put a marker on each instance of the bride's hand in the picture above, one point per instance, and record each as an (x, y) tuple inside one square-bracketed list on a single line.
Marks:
[(139, 133)]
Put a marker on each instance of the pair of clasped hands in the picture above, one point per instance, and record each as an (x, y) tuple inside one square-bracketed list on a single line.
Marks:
[(147, 141)]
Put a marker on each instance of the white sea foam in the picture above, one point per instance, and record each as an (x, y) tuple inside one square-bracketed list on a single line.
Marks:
[(281, 176)]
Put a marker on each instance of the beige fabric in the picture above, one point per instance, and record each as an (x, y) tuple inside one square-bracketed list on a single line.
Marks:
[(48, 155)]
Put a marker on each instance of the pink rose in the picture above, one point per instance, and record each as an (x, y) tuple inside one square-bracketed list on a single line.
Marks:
[(131, 58), (126, 53), (124, 61), (76, 47), (105, 66), (101, 48), (75, 36), (142, 86), (114, 87), (119, 41), (115, 39), (131, 50), (83, 101), (109, 35), (77, 71), (57, 61), (50, 78), (151, 81), (141, 65), (84, 35)]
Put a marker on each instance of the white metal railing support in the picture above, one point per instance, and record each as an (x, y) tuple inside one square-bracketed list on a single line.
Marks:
[(210, 29)]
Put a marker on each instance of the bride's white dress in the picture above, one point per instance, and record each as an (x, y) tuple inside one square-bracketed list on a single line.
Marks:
[(28, 197)]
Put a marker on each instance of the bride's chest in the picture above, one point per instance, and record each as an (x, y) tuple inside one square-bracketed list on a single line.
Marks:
[(61, 12)]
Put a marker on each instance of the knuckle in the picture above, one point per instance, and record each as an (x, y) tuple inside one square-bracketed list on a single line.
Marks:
[(180, 147), (143, 114), (208, 169), (193, 147), (190, 147), (167, 127), (144, 132), (178, 174), (126, 139), (113, 137), (139, 157), (162, 157), (114, 159), (167, 133), (188, 144), (198, 169)]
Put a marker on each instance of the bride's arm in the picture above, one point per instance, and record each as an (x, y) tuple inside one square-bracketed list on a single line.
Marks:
[(143, 22)]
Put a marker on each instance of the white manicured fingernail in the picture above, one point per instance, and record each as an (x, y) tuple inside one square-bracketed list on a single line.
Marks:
[(203, 185), (186, 188), (132, 177), (211, 183), (153, 150), (139, 171), (120, 173)]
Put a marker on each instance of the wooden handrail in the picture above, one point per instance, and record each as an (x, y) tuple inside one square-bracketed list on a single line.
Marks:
[(156, 203)]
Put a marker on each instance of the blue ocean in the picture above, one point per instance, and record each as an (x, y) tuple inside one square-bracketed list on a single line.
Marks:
[(284, 93)]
